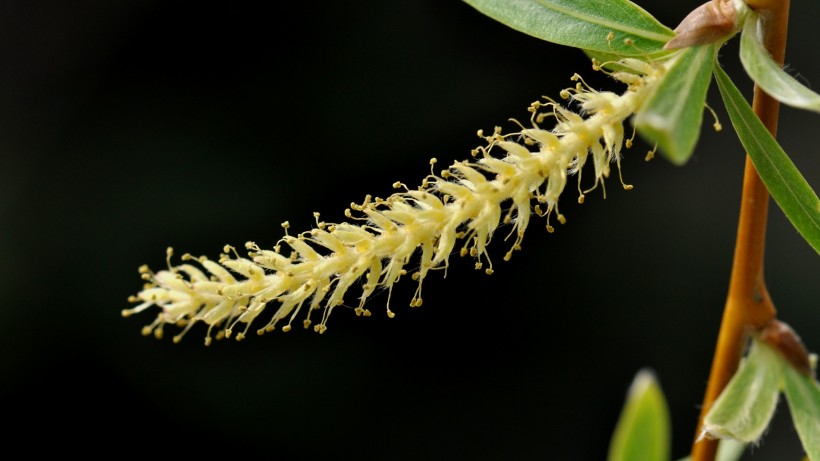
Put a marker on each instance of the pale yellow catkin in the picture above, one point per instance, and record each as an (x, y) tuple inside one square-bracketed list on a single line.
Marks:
[(511, 177)]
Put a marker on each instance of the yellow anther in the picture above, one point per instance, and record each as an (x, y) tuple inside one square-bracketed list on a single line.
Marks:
[(651, 154)]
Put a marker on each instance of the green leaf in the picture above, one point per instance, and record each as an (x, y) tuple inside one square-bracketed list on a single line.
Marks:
[(643, 431), (786, 185), (768, 74), (584, 24), (803, 395), (672, 116), (746, 406)]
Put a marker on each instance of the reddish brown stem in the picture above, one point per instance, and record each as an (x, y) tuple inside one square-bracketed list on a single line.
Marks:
[(748, 305)]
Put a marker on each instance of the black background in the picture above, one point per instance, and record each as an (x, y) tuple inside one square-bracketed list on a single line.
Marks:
[(130, 126)]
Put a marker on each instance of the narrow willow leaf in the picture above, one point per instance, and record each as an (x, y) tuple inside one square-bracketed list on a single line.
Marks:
[(746, 406), (643, 431), (672, 116), (786, 185), (768, 74), (803, 395), (584, 24)]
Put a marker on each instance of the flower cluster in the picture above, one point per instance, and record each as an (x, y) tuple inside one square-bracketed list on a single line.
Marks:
[(509, 179)]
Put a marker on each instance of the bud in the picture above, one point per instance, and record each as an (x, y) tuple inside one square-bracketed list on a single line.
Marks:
[(707, 23)]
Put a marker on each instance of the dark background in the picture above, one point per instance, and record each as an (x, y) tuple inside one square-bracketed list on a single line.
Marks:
[(130, 126)]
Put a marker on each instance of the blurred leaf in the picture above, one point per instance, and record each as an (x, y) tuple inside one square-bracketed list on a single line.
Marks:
[(746, 406), (584, 24), (672, 115), (785, 183), (643, 431), (768, 74), (803, 395)]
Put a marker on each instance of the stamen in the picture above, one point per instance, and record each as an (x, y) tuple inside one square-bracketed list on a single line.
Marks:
[(717, 126)]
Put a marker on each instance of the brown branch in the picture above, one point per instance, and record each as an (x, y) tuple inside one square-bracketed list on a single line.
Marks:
[(748, 305)]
